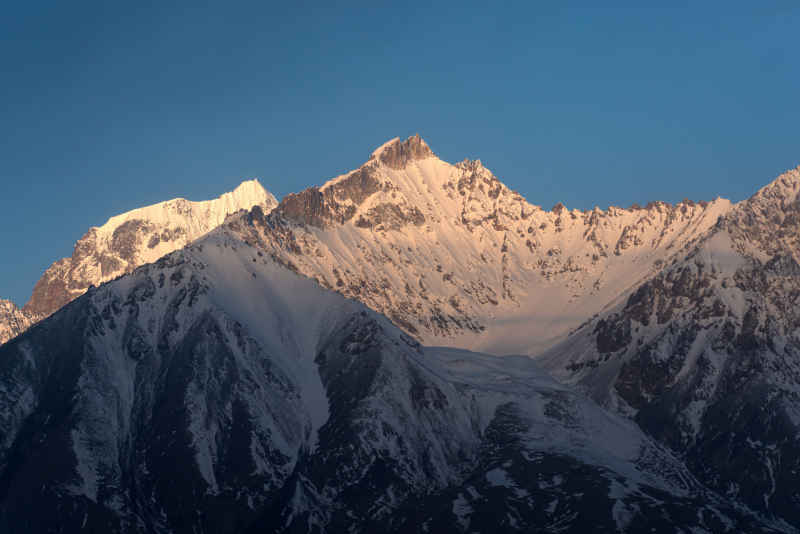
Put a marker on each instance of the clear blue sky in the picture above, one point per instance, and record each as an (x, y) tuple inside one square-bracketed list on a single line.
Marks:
[(107, 106)]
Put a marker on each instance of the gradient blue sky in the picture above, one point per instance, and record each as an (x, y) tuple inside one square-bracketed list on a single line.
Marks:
[(107, 106)]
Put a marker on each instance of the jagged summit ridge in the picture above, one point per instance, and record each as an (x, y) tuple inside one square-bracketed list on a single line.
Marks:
[(784, 188), (768, 223), (338, 200), (396, 154), (455, 257)]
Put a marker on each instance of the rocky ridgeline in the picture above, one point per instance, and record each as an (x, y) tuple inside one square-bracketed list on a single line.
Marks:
[(448, 251), (770, 219), (705, 356)]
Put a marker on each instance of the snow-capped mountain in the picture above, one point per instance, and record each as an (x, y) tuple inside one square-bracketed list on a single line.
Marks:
[(705, 356), (216, 391), (455, 258), (13, 321), (227, 387), (127, 241)]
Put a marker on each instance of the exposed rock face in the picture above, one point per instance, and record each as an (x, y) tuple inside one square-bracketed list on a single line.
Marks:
[(390, 217), (398, 154), (770, 219), (215, 391), (709, 358), (334, 204), (132, 239), (454, 257), (306, 207), (13, 321)]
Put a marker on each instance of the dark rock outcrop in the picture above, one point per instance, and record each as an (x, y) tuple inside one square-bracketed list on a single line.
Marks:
[(335, 204), (398, 154)]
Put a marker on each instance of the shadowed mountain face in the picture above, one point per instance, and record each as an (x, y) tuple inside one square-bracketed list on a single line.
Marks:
[(705, 356), (215, 391), (125, 242)]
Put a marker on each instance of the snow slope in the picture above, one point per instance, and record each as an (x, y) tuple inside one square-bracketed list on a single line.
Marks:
[(455, 258), (217, 391)]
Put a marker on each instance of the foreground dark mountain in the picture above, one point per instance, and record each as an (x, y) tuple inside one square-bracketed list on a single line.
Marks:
[(216, 391), (706, 355)]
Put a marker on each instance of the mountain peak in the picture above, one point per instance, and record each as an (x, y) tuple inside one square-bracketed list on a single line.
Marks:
[(247, 194), (136, 237), (784, 189), (251, 187), (396, 153)]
